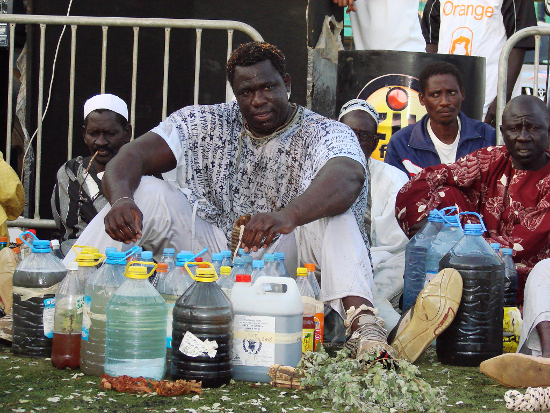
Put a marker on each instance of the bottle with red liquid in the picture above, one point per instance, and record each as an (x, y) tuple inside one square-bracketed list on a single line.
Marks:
[(67, 327)]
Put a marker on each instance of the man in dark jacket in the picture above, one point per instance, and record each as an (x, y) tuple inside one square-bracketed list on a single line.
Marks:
[(445, 134)]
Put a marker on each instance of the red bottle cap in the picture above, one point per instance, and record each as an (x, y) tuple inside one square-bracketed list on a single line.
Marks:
[(198, 259), (244, 278)]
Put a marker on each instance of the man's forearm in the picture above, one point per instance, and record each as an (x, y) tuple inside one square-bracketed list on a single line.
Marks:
[(332, 192)]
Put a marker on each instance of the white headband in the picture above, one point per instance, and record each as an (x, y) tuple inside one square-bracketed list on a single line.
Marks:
[(359, 104), (106, 101)]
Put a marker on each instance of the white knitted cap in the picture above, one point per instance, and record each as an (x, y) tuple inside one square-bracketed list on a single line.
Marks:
[(106, 101)]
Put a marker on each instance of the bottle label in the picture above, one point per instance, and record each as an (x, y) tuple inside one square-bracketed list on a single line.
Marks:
[(308, 338), (48, 316), (80, 304), (169, 318), (192, 346), (86, 320), (319, 328), (253, 341)]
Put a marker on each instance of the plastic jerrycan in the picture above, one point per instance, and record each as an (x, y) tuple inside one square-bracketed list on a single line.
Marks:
[(475, 334), (415, 258), (67, 327), (99, 289), (35, 282), (201, 332), (135, 343), (267, 329)]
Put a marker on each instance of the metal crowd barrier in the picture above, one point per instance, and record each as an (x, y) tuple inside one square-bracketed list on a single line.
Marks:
[(104, 23), (536, 31)]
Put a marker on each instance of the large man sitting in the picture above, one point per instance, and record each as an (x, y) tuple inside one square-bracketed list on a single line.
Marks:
[(297, 174), (444, 134), (509, 186)]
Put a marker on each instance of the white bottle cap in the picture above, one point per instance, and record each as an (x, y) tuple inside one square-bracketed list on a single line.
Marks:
[(72, 266)]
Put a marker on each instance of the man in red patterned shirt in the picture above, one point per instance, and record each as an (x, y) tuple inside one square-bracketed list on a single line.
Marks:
[(509, 186)]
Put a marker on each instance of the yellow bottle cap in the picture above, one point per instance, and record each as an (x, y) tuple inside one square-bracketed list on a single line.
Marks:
[(206, 275), (85, 260), (301, 272), (225, 270), (137, 272)]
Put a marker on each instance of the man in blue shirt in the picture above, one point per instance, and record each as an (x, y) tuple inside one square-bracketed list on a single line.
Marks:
[(445, 134)]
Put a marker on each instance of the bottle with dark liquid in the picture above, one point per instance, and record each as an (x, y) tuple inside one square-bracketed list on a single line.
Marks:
[(67, 327)]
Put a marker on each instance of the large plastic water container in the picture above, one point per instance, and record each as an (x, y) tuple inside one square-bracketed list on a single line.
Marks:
[(449, 235), (510, 278), (475, 334), (201, 332), (267, 329), (98, 291), (415, 258), (135, 343), (35, 282)]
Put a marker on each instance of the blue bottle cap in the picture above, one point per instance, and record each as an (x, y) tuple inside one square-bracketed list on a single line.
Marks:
[(41, 246), (495, 245), (217, 256), (257, 264), (183, 257), (279, 255), (109, 250), (115, 257), (242, 252), (269, 257), (238, 261), (473, 229), (435, 216), (147, 256), (451, 221), (169, 251), (226, 253), (507, 251)]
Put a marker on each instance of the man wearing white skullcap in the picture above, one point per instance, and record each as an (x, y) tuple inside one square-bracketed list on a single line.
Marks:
[(77, 194), (387, 239)]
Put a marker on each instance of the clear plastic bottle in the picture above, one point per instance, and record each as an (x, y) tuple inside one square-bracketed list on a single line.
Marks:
[(168, 256), (98, 291), (34, 300), (270, 266), (171, 287), (510, 278), (238, 268), (162, 270), (67, 324), (56, 249), (87, 265), (496, 247), (202, 332), (280, 264), (248, 268), (310, 307), (147, 256), (136, 254), (226, 262), (475, 334), (449, 235), (312, 278), (226, 280), (135, 343), (258, 272), (415, 258), (217, 259)]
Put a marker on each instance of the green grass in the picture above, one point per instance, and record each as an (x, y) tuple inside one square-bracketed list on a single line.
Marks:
[(28, 385)]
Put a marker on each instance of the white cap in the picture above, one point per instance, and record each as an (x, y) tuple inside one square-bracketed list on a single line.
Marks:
[(72, 266), (359, 104), (54, 243), (106, 101)]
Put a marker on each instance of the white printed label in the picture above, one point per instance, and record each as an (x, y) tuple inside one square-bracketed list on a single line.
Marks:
[(193, 346), (254, 341), (48, 316), (80, 305), (86, 320), (169, 319)]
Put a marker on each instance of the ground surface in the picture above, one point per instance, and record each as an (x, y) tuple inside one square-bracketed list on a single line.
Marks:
[(28, 385)]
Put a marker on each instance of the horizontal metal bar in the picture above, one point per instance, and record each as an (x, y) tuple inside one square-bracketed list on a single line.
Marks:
[(133, 22), (32, 223)]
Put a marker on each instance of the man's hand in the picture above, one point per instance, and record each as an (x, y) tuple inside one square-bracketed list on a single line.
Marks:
[(124, 221), (263, 227), (491, 116), (349, 3)]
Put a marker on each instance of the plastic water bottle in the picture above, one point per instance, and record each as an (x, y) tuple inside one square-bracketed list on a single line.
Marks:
[(98, 291), (258, 272), (162, 270), (226, 280), (34, 283), (67, 323), (202, 332), (270, 266), (475, 334), (276, 313), (226, 262), (415, 258), (311, 277), (171, 287), (248, 268), (217, 259), (56, 249), (147, 256), (510, 278), (280, 264), (136, 255), (310, 305), (168, 257), (238, 268), (135, 343), (496, 247), (87, 265), (449, 235)]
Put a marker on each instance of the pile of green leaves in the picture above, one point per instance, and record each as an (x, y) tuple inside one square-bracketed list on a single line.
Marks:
[(368, 385)]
